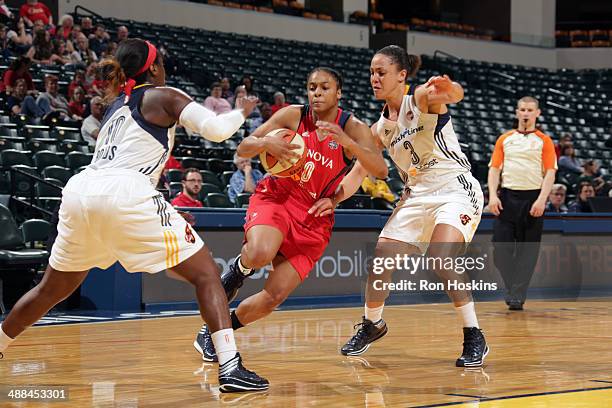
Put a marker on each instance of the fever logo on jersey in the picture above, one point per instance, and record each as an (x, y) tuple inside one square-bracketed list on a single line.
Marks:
[(464, 219), (189, 235)]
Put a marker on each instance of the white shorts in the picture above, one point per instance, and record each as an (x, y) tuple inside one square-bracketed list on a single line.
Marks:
[(116, 215), (458, 203)]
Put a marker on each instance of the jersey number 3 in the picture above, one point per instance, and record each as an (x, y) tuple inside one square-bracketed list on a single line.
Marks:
[(413, 154)]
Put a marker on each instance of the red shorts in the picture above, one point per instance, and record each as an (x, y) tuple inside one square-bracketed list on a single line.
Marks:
[(305, 237)]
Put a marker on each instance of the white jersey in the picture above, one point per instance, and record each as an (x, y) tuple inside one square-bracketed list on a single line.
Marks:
[(423, 146), (127, 141)]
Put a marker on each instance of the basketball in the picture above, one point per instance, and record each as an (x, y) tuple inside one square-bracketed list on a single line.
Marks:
[(271, 163)]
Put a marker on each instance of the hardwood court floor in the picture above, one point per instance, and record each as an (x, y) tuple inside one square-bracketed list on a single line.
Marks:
[(554, 354)]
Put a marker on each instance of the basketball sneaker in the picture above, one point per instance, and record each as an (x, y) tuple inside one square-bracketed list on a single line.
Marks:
[(475, 348), (204, 344), (233, 377), (233, 279), (367, 333)]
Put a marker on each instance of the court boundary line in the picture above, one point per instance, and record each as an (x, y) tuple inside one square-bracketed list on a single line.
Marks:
[(487, 399)]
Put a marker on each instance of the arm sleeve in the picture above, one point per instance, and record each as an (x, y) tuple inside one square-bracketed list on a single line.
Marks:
[(549, 157), (497, 158), (215, 128)]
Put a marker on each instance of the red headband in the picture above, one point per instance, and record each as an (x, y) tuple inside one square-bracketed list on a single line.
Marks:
[(151, 56)]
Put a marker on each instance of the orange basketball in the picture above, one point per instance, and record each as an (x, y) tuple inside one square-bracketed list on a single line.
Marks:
[(272, 165)]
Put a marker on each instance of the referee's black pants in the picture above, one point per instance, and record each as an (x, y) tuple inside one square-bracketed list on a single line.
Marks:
[(516, 242)]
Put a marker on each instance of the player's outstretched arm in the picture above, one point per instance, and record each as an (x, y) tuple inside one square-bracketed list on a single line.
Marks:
[(166, 106), (288, 118), (437, 92), (358, 141)]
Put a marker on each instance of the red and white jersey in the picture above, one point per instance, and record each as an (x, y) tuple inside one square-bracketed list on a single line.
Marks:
[(324, 168)]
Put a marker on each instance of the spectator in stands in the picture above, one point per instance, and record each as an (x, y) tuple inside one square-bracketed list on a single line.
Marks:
[(62, 51), (51, 101), (77, 107), (110, 50), (266, 111), (377, 188), (244, 180), (19, 69), (99, 40), (591, 172), (556, 199), (226, 92), (76, 31), (566, 140), (34, 10), (78, 80), (5, 12), (122, 34), (41, 51), (248, 82), (581, 205), (215, 102), (15, 100), (525, 159), (24, 104), (92, 123), (568, 161), (87, 27), (279, 101), (15, 42), (64, 31), (192, 185), (83, 54)]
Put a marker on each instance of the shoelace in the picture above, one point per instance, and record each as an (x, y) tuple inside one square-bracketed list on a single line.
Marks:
[(361, 332)]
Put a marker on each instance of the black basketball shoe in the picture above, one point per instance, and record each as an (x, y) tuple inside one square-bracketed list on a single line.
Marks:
[(367, 333), (204, 344), (475, 348), (233, 377), (233, 279)]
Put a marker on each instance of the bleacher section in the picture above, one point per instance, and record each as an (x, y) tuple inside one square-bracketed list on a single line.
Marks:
[(572, 102)]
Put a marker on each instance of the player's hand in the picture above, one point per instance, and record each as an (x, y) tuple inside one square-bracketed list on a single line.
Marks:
[(537, 209), (440, 84), (335, 132), (284, 152), (495, 205), (323, 207), (188, 217), (247, 104)]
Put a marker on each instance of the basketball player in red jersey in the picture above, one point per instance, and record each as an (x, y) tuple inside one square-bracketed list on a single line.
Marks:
[(281, 226)]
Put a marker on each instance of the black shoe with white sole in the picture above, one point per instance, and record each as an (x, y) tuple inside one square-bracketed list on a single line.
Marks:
[(367, 333), (233, 377), (233, 279), (204, 344), (475, 348)]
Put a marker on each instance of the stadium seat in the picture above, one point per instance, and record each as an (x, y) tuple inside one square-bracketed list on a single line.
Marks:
[(45, 158), (175, 175), (217, 200), (11, 157), (57, 172), (74, 160), (242, 200)]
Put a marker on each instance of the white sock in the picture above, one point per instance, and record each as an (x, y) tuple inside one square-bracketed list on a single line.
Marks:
[(5, 340), (468, 314), (374, 314), (243, 269), (225, 345)]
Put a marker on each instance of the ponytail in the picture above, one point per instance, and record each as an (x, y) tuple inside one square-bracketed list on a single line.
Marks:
[(114, 75), (404, 61)]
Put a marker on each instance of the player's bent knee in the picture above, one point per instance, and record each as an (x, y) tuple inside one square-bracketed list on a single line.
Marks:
[(260, 255)]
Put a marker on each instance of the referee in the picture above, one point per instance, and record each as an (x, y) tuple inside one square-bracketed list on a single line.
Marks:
[(526, 160)]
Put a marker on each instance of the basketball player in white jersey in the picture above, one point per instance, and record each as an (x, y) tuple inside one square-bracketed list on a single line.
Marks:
[(111, 211), (442, 203)]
